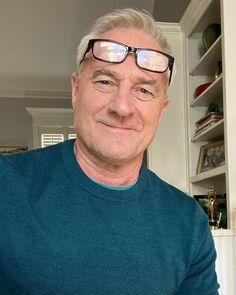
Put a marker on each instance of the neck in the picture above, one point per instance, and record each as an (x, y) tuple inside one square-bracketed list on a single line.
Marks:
[(106, 172)]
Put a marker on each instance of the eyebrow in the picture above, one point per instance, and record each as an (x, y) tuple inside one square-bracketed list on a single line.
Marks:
[(104, 72), (141, 80)]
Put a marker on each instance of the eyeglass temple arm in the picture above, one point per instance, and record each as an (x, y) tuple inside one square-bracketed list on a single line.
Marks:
[(171, 71), (86, 51)]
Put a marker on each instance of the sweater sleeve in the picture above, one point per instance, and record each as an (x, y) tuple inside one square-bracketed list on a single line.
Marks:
[(2, 170), (201, 277)]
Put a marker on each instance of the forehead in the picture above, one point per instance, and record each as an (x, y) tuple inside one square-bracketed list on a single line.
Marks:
[(131, 37)]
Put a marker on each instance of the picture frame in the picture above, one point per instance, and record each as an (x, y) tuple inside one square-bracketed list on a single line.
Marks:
[(211, 156), (12, 149)]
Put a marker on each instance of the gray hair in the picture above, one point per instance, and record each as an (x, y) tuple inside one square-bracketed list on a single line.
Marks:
[(123, 18)]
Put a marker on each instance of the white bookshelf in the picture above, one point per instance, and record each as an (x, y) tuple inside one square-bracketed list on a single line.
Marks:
[(200, 68)]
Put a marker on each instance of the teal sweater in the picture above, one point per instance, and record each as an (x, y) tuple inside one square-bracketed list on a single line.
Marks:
[(63, 234)]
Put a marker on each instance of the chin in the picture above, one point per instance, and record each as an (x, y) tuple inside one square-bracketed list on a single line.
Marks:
[(115, 157)]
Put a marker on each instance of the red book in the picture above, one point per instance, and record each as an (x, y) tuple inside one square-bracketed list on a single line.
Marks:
[(208, 118)]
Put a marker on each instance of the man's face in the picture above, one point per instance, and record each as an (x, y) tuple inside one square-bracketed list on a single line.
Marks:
[(111, 123)]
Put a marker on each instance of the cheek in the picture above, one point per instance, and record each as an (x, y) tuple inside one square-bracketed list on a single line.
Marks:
[(152, 117), (88, 104), (85, 99), (81, 108)]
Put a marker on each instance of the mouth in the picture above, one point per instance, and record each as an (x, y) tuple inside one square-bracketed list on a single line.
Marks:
[(117, 127)]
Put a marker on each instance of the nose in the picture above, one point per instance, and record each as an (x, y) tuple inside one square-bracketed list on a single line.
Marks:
[(122, 103)]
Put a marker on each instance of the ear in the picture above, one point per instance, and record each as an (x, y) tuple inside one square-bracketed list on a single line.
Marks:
[(74, 88), (165, 104), (163, 108)]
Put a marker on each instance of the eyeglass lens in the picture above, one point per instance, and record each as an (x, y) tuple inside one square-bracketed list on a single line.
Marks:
[(146, 58), (152, 60), (109, 51)]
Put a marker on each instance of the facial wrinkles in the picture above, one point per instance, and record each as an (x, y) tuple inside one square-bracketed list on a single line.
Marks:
[(104, 116), (105, 72), (136, 80), (119, 74)]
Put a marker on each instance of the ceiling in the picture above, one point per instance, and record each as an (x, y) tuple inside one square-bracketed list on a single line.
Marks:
[(39, 38)]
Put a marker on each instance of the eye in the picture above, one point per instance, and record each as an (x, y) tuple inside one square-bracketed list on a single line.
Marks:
[(144, 91), (104, 85), (144, 94), (104, 82)]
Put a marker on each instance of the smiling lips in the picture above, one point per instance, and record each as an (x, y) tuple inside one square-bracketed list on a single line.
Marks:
[(119, 127)]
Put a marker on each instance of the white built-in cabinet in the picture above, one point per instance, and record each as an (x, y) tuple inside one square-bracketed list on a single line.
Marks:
[(200, 68)]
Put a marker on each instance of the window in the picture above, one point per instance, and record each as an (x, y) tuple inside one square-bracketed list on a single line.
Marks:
[(54, 138), (53, 134), (51, 126), (71, 136), (49, 139)]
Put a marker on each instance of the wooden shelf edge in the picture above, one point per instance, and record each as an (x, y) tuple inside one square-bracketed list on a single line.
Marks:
[(208, 174), (223, 233), (207, 54), (203, 95), (202, 135)]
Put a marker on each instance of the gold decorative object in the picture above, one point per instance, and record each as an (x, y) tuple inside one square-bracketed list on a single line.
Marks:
[(211, 206), (214, 218)]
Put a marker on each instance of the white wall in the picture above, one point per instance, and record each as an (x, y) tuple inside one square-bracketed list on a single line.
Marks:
[(167, 153), (16, 123)]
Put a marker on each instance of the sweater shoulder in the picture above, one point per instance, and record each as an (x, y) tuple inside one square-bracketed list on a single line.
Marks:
[(173, 198), (25, 164), (155, 182)]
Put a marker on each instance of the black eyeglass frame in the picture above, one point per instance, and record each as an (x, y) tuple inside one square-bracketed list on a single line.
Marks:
[(134, 50)]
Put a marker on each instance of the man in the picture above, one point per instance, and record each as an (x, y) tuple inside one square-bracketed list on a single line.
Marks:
[(86, 217)]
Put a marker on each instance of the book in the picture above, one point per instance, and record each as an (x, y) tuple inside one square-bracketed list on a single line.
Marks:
[(205, 127), (209, 117), (205, 123)]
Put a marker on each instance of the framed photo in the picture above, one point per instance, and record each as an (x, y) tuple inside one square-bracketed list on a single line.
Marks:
[(12, 149), (211, 156)]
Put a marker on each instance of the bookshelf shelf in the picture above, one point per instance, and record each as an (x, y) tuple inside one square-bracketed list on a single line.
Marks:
[(213, 93), (208, 174), (213, 132)]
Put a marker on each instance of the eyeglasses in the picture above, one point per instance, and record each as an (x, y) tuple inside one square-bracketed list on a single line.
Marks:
[(116, 52)]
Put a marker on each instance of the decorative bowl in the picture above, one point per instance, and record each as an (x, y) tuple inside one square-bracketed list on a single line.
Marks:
[(201, 88)]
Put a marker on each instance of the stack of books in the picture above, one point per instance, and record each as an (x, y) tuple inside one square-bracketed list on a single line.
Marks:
[(207, 121)]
